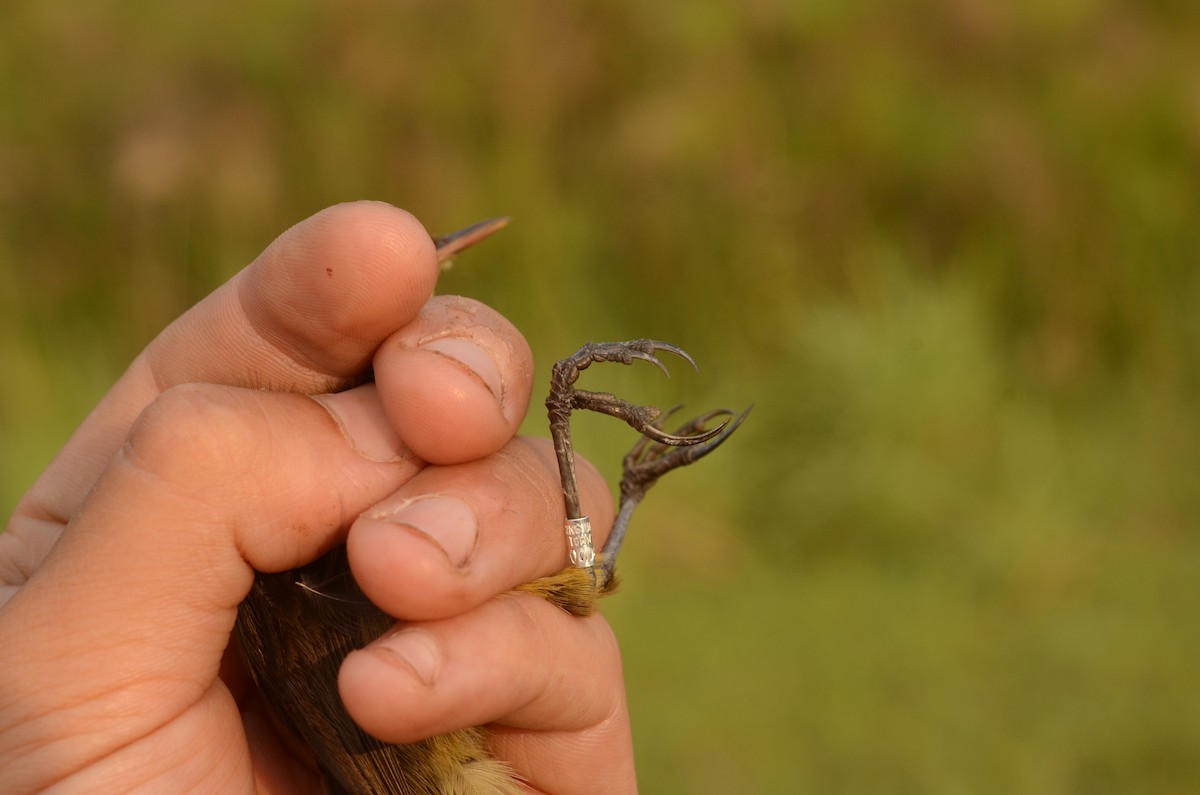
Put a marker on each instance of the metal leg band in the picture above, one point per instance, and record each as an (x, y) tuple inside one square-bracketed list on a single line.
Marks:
[(579, 542)]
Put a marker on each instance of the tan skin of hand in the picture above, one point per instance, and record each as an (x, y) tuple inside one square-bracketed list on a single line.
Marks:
[(122, 568)]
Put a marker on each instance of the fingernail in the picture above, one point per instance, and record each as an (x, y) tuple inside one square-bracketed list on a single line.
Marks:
[(447, 521), (366, 427), (471, 355), (417, 649)]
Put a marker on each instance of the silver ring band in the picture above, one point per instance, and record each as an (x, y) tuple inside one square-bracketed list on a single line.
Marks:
[(579, 542)]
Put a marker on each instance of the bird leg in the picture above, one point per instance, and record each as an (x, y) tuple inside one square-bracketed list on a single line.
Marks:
[(655, 454)]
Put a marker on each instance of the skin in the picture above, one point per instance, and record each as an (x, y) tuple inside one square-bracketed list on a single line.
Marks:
[(122, 568)]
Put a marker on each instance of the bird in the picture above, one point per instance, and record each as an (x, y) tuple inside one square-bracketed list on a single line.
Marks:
[(295, 627)]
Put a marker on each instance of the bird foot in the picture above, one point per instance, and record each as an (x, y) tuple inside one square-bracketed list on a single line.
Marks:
[(655, 454)]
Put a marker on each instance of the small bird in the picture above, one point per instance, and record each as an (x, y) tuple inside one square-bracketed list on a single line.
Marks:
[(295, 627)]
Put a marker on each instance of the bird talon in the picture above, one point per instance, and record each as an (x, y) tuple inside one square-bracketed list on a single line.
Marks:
[(656, 452), (677, 439), (648, 461), (622, 352)]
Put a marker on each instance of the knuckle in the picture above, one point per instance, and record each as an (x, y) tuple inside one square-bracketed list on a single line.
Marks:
[(194, 432)]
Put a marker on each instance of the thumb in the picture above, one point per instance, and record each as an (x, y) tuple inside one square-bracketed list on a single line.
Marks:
[(129, 616)]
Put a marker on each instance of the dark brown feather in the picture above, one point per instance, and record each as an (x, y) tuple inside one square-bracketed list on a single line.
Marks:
[(295, 628)]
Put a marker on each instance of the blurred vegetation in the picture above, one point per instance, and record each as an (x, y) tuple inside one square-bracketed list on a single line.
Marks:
[(946, 247)]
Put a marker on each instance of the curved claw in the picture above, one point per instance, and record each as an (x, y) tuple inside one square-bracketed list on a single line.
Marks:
[(623, 352), (654, 360), (645, 450), (724, 431), (682, 440), (647, 462), (675, 349)]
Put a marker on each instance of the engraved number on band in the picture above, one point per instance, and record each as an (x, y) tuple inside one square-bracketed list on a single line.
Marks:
[(579, 542)]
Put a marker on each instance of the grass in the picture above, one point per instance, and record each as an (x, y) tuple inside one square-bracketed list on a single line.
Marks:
[(947, 249)]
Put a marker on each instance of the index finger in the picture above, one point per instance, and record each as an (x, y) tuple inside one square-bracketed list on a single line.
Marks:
[(305, 316)]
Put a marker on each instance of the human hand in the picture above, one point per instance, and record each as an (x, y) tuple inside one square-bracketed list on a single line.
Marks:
[(123, 566)]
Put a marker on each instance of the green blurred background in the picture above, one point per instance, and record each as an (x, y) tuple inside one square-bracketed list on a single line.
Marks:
[(947, 247)]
